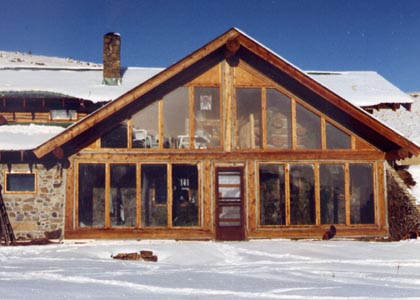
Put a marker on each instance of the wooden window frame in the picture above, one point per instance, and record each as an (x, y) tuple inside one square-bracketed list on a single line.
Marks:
[(294, 99), (169, 203), (316, 165), (35, 175)]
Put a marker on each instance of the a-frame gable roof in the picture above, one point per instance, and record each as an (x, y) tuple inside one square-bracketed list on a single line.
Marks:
[(231, 45)]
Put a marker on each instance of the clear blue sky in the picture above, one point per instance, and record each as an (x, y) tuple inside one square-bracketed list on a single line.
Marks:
[(379, 35)]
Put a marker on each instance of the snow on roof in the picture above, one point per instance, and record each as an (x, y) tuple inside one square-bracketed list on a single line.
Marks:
[(22, 72), (85, 84), (407, 123), (25, 72), (24, 137), (361, 88)]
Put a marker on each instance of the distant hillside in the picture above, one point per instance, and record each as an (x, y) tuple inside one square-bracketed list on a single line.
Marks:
[(26, 60)]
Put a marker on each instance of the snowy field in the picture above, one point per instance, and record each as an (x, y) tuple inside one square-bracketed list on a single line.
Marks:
[(277, 269)]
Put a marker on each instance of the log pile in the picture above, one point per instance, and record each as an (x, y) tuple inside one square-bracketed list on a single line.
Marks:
[(403, 212), (144, 255)]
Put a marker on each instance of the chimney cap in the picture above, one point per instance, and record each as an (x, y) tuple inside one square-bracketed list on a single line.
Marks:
[(112, 33)]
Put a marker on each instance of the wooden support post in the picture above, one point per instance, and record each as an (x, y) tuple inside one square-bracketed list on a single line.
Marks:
[(232, 46)]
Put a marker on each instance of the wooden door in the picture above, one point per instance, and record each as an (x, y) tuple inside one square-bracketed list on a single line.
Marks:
[(230, 225)]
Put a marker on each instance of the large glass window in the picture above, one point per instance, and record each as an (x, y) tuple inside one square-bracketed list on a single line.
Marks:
[(331, 177), (207, 117), (248, 118), (145, 127), (91, 208), (176, 122), (361, 194), (116, 137), (184, 195), (154, 194), (123, 195), (279, 134), (336, 138), (272, 194), (302, 195), (308, 129)]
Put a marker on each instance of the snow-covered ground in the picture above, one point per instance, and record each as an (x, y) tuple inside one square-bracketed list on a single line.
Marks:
[(276, 269)]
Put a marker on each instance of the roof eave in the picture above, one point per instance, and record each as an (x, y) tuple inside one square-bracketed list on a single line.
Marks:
[(256, 48)]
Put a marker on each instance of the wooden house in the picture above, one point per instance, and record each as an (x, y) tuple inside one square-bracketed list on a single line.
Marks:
[(230, 143)]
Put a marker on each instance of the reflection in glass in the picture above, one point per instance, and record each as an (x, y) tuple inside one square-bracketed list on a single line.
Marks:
[(185, 195), (91, 206), (361, 194), (146, 127), (279, 129), (176, 122), (272, 195), (308, 129), (248, 118), (336, 138), (116, 137), (123, 195), (229, 216), (331, 179), (154, 195), (20, 182), (207, 117), (302, 197)]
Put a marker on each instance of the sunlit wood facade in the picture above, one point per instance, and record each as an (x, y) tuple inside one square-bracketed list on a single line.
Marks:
[(230, 143)]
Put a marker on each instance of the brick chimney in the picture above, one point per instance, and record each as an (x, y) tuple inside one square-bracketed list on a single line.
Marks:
[(112, 59)]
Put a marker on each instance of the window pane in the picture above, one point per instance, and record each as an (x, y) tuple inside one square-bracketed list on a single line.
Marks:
[(229, 216), (18, 182), (207, 117), (331, 179), (272, 196), (361, 194), (123, 195), (176, 120), (63, 114), (248, 116), (278, 120), (302, 199), (116, 138), (185, 195), (146, 127), (336, 138), (154, 195), (91, 195), (308, 129)]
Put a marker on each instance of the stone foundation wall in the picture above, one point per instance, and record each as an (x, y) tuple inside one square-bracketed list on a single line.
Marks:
[(403, 213), (31, 214)]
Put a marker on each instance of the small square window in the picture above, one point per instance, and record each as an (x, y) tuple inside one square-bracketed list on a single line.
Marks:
[(20, 182), (63, 114)]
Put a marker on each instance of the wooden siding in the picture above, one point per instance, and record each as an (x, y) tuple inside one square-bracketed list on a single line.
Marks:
[(228, 76)]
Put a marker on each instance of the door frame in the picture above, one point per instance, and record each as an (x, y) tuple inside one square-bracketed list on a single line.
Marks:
[(230, 233)]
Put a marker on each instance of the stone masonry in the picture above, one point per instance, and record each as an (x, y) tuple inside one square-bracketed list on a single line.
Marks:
[(31, 214), (403, 212)]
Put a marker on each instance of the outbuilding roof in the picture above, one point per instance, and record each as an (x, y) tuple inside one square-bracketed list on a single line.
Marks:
[(362, 88)]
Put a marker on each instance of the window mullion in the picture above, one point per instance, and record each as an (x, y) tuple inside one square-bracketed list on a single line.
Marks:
[(107, 195)]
